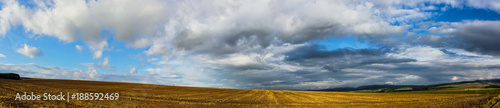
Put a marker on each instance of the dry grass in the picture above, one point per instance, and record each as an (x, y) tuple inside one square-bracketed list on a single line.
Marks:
[(492, 103), (147, 95)]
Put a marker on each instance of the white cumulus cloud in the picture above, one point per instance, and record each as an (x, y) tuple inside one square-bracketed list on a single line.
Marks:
[(79, 48), (97, 54), (29, 51), (133, 70), (454, 78)]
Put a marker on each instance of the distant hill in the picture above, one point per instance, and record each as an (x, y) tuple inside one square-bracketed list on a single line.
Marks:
[(491, 83), (367, 87)]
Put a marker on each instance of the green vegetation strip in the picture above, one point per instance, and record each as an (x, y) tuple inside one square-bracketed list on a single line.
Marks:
[(465, 91)]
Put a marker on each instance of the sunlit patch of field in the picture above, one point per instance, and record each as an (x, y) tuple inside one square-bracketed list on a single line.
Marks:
[(492, 91), (462, 86), (148, 95)]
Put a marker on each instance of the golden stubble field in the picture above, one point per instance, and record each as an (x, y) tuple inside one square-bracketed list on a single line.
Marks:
[(148, 95)]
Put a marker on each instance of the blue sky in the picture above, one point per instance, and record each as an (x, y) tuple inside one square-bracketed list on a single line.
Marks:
[(64, 54), (233, 44)]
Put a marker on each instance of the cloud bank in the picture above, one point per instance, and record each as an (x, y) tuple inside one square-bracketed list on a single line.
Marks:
[(272, 44), (102, 65)]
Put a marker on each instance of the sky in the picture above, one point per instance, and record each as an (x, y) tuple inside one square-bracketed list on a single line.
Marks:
[(253, 44)]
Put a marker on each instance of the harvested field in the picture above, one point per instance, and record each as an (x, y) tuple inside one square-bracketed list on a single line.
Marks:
[(148, 95)]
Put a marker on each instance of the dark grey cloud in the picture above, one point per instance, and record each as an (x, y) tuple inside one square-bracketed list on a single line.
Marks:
[(336, 60), (318, 68), (475, 36), (480, 36), (315, 65), (319, 51), (448, 52)]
